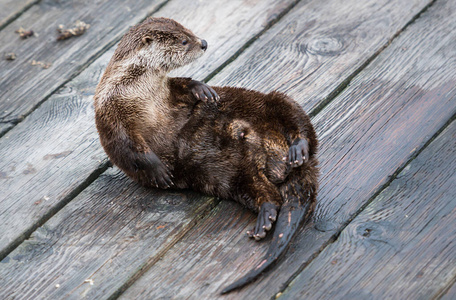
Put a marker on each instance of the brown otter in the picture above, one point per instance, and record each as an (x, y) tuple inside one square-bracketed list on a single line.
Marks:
[(258, 149), (138, 109)]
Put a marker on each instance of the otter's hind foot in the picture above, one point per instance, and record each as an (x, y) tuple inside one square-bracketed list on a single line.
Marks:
[(298, 153), (266, 217), (203, 92)]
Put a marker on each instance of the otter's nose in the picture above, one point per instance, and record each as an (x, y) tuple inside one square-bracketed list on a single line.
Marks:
[(203, 45)]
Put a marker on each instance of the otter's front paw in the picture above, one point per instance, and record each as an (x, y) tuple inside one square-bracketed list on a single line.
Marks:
[(266, 217), (203, 92), (298, 153)]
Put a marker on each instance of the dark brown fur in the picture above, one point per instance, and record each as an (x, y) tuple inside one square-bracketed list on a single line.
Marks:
[(257, 149)]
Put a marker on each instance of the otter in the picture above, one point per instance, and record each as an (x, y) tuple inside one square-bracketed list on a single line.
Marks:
[(257, 149), (138, 108)]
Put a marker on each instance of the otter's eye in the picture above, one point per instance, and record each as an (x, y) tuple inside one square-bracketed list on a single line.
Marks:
[(184, 42)]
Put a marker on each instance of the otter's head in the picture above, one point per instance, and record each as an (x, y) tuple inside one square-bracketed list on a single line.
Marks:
[(160, 43)]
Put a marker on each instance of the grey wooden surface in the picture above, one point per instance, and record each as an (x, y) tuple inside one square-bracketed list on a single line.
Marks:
[(378, 76)]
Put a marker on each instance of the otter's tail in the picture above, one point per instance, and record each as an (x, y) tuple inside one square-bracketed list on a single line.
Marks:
[(299, 202)]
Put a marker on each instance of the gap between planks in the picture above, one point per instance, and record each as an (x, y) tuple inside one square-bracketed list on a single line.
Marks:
[(143, 269), (343, 85), (250, 42)]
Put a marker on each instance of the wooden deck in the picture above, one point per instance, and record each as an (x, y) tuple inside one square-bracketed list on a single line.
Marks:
[(379, 80)]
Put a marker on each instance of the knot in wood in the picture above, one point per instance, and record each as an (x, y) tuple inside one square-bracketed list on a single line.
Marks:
[(326, 46)]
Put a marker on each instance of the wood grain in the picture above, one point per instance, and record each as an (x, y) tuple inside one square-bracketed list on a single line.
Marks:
[(23, 85), (101, 239), (54, 150), (366, 133), (402, 245), (10, 9), (318, 47)]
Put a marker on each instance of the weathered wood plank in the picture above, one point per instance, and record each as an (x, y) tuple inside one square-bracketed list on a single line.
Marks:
[(23, 85), (97, 242), (9, 9), (56, 148), (402, 245), (367, 133), (318, 47)]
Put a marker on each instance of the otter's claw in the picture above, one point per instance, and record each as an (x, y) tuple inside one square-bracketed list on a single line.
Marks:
[(161, 176), (203, 92), (266, 217)]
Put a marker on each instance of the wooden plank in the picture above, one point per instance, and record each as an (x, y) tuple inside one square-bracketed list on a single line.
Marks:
[(402, 245), (101, 239), (366, 134), (59, 140), (22, 85), (109, 20), (318, 48), (10, 9)]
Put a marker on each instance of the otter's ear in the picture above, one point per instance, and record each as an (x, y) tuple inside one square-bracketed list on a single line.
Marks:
[(146, 40)]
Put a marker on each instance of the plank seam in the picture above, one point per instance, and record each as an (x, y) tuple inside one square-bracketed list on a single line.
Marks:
[(336, 235), (67, 199), (76, 73), (18, 14)]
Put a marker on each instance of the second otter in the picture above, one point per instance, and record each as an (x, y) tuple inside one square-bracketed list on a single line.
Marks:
[(258, 149)]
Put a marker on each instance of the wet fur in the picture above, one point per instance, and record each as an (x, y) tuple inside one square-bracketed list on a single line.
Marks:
[(235, 151), (159, 133)]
